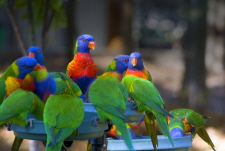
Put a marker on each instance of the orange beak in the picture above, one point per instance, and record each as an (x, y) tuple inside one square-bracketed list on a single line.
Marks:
[(91, 45), (38, 67), (134, 61), (31, 55)]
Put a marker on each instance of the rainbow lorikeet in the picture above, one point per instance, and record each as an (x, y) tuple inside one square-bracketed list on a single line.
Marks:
[(63, 113), (13, 77), (82, 69), (132, 126), (18, 105), (115, 134), (10, 109), (109, 96), (40, 82), (187, 120), (146, 96), (74, 87)]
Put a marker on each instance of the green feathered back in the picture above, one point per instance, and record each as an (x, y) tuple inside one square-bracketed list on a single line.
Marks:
[(148, 99), (71, 85), (16, 107), (63, 113), (109, 96)]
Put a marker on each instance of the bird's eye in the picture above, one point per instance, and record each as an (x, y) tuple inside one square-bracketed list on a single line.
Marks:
[(125, 60), (84, 40), (38, 51), (27, 67)]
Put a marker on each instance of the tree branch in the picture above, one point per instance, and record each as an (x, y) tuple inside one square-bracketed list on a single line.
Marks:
[(15, 26)]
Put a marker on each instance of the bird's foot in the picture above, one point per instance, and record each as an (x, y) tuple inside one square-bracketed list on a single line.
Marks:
[(95, 121), (138, 136), (30, 121), (130, 101), (8, 125), (134, 106)]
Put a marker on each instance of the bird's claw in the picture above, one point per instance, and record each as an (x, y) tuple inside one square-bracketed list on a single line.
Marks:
[(134, 106), (130, 100), (30, 121), (8, 125), (95, 121), (139, 136)]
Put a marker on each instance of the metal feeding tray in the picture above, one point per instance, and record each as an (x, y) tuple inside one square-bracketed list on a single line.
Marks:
[(145, 144), (85, 131), (132, 114)]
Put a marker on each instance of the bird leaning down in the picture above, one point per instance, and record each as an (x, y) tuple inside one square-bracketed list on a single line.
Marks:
[(188, 121), (138, 82), (82, 69), (109, 96)]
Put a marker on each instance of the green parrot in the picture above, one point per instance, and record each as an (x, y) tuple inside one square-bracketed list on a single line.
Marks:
[(63, 113), (18, 105), (146, 96), (109, 96), (74, 87), (187, 120)]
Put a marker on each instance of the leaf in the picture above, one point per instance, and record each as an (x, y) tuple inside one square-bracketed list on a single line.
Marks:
[(20, 3), (25, 16), (60, 19), (56, 5), (2, 2)]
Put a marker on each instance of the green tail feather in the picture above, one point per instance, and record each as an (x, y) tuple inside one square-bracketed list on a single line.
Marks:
[(16, 144), (150, 126), (163, 125), (204, 135), (56, 147), (89, 147), (121, 126)]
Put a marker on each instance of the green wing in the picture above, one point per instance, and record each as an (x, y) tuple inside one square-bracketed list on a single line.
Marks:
[(73, 86), (2, 91), (15, 107), (110, 102), (63, 113), (144, 91), (201, 131), (109, 90), (194, 118)]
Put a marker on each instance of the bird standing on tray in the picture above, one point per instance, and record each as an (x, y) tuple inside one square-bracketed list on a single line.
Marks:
[(63, 113), (187, 120), (146, 96), (109, 96), (82, 69)]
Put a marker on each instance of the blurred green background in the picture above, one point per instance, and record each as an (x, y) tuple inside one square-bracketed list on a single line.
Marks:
[(182, 43)]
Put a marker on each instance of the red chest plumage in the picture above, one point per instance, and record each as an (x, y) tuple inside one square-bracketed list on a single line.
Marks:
[(82, 65)]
